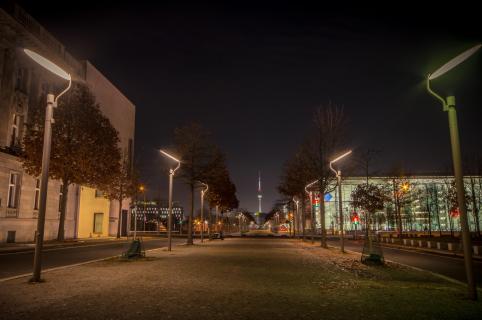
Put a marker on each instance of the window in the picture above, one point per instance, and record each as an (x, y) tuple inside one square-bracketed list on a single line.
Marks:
[(37, 194), (98, 218), (61, 194), (13, 187), (15, 127), (98, 193)]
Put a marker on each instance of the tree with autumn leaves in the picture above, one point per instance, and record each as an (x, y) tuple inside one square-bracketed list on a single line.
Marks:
[(202, 161), (84, 145)]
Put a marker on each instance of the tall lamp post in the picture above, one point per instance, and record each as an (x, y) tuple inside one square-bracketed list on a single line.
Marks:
[(449, 106), (340, 206), (143, 190), (310, 194), (297, 221), (203, 193), (169, 217), (51, 104)]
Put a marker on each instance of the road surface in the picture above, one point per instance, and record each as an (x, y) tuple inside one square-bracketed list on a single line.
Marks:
[(452, 267), (12, 264)]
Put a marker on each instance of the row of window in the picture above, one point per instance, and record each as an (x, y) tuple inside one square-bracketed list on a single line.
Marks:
[(14, 192)]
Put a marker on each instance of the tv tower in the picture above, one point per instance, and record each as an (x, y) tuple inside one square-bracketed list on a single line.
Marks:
[(260, 196)]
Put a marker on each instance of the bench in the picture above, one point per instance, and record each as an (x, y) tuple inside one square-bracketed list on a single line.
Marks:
[(216, 235)]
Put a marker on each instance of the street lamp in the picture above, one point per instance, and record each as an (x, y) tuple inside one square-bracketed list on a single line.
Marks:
[(143, 190), (297, 221), (449, 106), (311, 208), (203, 192), (51, 103), (169, 217), (340, 207)]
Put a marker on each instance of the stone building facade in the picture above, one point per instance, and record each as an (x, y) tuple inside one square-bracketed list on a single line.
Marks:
[(22, 83)]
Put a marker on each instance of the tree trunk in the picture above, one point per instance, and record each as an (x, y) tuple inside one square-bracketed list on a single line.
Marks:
[(303, 216), (399, 218), (63, 210), (209, 221), (322, 221), (475, 209), (191, 217), (312, 213), (437, 209), (295, 222), (450, 219), (119, 220)]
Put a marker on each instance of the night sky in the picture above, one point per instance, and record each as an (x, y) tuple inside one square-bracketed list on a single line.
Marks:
[(254, 73)]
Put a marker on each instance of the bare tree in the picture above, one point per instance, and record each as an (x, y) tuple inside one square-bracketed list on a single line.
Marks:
[(401, 188), (322, 144), (296, 175), (365, 160), (202, 161)]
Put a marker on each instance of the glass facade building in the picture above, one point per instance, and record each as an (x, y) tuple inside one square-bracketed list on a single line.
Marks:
[(421, 203)]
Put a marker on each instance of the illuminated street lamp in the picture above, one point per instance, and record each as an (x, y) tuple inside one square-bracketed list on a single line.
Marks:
[(169, 217), (296, 222), (51, 104), (203, 193), (311, 207), (143, 190), (340, 206), (449, 106)]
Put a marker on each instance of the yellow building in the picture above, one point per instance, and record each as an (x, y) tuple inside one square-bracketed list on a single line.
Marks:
[(93, 214)]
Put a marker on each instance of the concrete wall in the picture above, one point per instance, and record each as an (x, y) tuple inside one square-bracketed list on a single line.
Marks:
[(113, 104), (121, 113)]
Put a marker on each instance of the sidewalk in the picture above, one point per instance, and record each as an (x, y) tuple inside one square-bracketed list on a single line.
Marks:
[(237, 279)]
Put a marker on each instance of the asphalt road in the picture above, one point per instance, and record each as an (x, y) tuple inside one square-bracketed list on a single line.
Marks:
[(12, 264), (452, 267)]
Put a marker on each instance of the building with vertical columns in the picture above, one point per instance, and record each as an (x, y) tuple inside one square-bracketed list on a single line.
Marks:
[(88, 214)]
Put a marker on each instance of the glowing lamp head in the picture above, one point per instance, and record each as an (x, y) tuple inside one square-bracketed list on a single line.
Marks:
[(47, 64), (169, 156), (454, 62)]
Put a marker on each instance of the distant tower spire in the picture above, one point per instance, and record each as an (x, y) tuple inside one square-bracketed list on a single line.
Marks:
[(260, 196)]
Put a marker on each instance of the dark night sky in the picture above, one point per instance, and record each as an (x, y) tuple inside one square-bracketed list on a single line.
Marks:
[(253, 74)]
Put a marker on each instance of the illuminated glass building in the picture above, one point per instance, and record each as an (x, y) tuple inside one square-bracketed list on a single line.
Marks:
[(152, 215), (424, 202)]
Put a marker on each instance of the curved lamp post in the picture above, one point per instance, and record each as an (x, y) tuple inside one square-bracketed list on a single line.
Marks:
[(203, 193), (169, 217), (310, 194), (340, 206), (296, 221), (51, 104), (449, 106)]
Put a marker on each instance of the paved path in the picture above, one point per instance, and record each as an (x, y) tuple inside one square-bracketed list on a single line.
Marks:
[(237, 279), (452, 267), (12, 264)]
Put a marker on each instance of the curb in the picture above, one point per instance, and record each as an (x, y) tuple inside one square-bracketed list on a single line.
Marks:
[(65, 246), (435, 252)]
